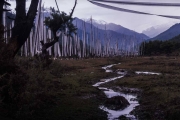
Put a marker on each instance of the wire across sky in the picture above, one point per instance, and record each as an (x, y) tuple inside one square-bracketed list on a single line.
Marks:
[(140, 3), (100, 3)]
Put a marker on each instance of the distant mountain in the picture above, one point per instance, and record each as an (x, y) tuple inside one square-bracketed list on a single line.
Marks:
[(168, 34), (117, 28), (97, 32), (105, 35), (156, 30)]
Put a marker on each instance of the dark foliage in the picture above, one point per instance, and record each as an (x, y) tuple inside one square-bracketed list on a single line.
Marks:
[(160, 47), (58, 22)]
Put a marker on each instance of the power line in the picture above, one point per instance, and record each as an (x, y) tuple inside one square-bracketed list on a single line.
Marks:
[(131, 11), (141, 3)]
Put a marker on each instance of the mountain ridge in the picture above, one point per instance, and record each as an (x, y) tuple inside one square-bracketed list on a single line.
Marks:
[(117, 28), (154, 31), (110, 37), (168, 34)]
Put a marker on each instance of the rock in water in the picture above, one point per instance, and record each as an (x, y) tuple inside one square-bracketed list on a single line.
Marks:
[(116, 103), (122, 117)]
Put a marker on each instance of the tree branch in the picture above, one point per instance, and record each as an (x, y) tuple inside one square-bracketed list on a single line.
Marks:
[(32, 10), (47, 45), (73, 9), (20, 17)]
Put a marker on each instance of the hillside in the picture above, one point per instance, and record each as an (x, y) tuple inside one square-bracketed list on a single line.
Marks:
[(168, 34), (118, 29), (155, 30), (175, 39), (112, 35)]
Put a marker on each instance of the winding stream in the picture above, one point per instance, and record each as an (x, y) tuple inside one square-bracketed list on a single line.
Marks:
[(147, 73), (113, 114)]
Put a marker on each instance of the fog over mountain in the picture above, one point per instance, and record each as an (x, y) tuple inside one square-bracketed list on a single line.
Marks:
[(156, 30), (168, 34)]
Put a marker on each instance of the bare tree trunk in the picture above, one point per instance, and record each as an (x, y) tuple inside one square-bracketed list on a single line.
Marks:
[(1, 10), (2, 3), (22, 27), (1, 37)]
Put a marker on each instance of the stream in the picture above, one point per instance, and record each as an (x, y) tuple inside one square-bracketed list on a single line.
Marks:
[(131, 98)]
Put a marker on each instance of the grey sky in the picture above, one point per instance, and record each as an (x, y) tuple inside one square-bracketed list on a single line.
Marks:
[(135, 22)]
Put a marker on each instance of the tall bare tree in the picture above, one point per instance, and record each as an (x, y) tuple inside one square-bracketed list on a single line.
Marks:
[(22, 27)]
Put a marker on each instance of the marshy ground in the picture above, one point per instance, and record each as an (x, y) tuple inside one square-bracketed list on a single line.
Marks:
[(63, 90), (160, 98)]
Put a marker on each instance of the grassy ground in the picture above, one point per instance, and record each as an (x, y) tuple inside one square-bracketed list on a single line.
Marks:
[(160, 98), (61, 91)]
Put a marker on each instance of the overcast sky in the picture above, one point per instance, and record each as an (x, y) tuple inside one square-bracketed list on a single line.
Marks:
[(135, 22)]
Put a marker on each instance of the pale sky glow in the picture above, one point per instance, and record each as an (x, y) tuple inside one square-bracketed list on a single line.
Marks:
[(135, 22)]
